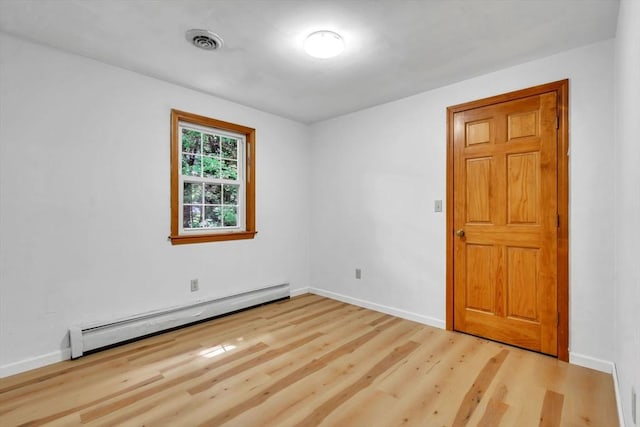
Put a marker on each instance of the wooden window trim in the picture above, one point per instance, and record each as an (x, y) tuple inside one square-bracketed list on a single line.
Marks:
[(178, 116)]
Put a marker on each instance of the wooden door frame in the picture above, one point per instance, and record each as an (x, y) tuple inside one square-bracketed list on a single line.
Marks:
[(561, 88)]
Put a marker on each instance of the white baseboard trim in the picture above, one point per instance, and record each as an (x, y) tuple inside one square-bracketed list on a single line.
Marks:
[(35, 362), (425, 320), (299, 291), (616, 387), (591, 362)]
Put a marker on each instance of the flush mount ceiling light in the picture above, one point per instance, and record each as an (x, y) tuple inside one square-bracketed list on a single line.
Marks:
[(324, 44), (204, 39)]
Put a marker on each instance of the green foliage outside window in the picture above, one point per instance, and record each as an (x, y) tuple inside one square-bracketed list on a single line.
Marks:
[(204, 155)]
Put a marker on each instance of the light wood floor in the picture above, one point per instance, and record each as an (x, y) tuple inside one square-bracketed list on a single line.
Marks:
[(305, 362)]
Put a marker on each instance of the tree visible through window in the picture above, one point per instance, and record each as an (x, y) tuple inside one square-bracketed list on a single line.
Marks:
[(212, 183)]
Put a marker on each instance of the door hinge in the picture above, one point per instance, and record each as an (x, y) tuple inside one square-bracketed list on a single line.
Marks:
[(557, 122), (558, 220)]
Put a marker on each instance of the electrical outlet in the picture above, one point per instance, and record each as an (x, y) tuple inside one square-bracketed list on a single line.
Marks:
[(633, 406), (194, 285), (358, 273)]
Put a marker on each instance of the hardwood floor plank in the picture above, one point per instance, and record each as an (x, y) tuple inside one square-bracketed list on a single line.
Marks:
[(292, 402), (295, 309), (475, 394), (367, 408), (204, 405), (76, 409), (435, 392), (380, 319), (226, 393), (578, 410), (314, 316), (80, 391), (258, 360), (493, 414), (39, 378), (551, 413), (393, 387), (139, 412), (296, 376), (310, 361), (74, 384), (263, 330), (434, 348), (117, 404), (322, 411)]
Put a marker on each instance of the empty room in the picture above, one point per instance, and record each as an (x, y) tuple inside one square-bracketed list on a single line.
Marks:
[(361, 213)]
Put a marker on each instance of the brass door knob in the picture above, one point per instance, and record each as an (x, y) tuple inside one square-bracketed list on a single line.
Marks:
[(460, 233)]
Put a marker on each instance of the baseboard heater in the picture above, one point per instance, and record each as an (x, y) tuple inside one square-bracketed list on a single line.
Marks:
[(97, 335)]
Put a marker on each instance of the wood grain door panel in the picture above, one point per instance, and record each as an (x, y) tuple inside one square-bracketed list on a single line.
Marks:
[(505, 200)]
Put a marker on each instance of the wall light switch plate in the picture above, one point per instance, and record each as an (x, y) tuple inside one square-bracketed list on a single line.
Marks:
[(437, 205)]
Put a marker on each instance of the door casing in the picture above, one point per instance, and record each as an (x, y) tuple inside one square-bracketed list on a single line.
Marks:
[(561, 88)]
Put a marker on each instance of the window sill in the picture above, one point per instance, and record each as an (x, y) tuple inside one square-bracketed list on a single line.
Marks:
[(218, 237)]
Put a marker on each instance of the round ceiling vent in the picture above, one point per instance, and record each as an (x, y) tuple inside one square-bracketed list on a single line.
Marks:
[(204, 39)]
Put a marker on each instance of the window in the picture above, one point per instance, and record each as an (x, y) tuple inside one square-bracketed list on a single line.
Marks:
[(212, 180)]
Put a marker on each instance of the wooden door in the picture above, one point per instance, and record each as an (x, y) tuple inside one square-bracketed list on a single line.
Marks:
[(505, 220)]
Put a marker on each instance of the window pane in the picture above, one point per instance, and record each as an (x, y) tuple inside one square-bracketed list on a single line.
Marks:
[(229, 148), (191, 141), (211, 167), (192, 216), (230, 214), (212, 194), (191, 165), (231, 194), (192, 193), (212, 217), (211, 144), (229, 169)]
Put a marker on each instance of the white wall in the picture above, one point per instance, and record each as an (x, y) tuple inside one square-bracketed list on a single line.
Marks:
[(84, 213), (376, 173), (627, 204)]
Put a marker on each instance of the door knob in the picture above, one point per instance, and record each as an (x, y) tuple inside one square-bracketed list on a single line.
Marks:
[(460, 233)]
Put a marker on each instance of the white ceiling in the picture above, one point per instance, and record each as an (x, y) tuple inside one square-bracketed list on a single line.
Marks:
[(394, 48)]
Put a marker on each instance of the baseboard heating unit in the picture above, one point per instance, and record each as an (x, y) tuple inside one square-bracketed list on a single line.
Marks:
[(97, 335)]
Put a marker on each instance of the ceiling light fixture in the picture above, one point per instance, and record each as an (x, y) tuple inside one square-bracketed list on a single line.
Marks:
[(324, 44), (204, 39)]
